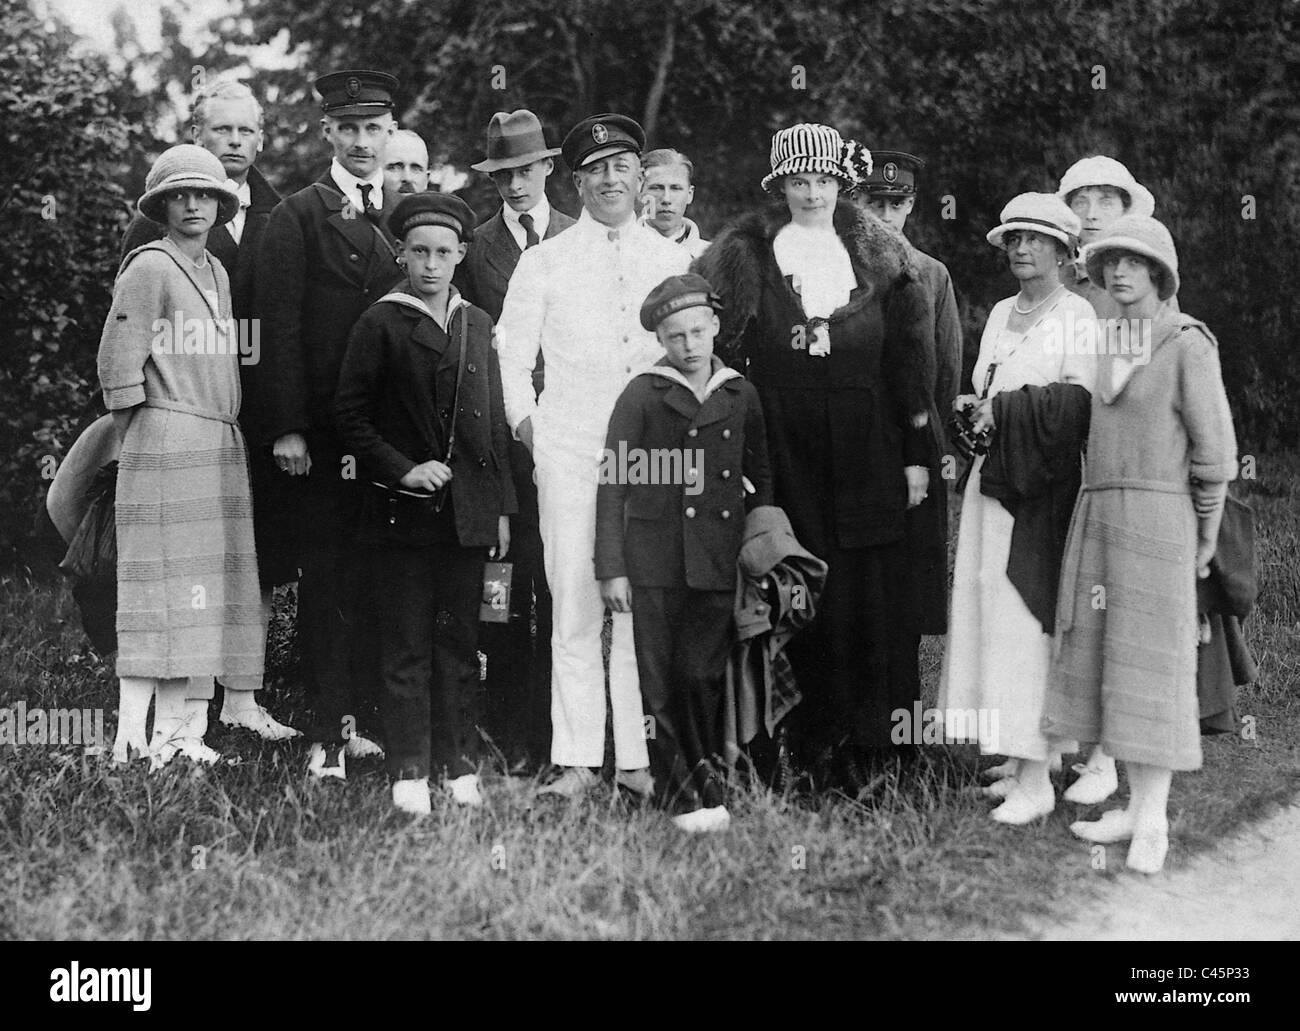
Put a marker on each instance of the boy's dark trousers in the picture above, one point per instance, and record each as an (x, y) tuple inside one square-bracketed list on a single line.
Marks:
[(428, 609), (683, 638), (519, 665)]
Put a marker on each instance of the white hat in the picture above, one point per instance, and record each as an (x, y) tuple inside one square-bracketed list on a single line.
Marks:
[(1100, 170), (1142, 235), (1042, 213), (187, 167)]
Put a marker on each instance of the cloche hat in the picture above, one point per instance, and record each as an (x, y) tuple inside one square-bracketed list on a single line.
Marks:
[(1142, 235), (186, 166), (1100, 170)]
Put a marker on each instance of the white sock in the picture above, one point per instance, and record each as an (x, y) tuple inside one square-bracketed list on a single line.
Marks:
[(133, 697), (169, 709)]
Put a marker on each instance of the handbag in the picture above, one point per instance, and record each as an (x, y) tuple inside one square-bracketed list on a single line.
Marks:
[(400, 515)]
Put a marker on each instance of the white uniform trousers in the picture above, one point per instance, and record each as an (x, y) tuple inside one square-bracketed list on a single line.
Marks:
[(566, 499)]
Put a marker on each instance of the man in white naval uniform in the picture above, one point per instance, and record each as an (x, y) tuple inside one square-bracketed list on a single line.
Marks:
[(576, 298)]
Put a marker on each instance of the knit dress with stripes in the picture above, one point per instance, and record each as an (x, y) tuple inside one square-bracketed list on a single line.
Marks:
[(187, 594)]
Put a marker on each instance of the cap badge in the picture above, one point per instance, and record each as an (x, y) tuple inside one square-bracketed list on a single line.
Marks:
[(353, 86), (890, 171), (599, 133)]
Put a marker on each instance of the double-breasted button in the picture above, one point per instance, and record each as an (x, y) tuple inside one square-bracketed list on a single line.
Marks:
[(690, 513), (477, 414), (726, 514), (354, 257), (445, 413), (726, 434), (692, 432), (726, 474), (470, 368), (482, 462)]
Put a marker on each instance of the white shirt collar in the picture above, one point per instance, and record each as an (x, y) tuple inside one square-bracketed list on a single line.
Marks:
[(541, 213), (349, 184), (594, 228), (242, 190)]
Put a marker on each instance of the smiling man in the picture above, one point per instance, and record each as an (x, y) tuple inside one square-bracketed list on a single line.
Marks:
[(576, 300), (326, 257)]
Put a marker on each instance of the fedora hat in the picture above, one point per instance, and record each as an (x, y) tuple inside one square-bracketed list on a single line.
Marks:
[(514, 140)]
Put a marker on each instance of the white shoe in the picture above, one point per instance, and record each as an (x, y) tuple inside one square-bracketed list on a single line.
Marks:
[(260, 722), (1115, 825), (128, 746), (465, 790), (412, 796), (1146, 853), (359, 747), (573, 782), (1096, 783), (639, 782), (1002, 770), (163, 750), (1022, 807), (317, 757), (999, 788), (704, 821)]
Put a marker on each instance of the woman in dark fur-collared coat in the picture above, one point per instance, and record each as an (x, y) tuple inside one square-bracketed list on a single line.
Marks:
[(825, 312)]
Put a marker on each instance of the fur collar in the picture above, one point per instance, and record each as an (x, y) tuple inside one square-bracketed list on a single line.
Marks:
[(735, 260)]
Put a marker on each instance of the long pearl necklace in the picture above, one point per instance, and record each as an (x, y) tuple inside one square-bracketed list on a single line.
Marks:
[(1029, 311)]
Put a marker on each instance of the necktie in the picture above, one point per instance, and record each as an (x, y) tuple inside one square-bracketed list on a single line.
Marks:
[(235, 227), (531, 239), (366, 206)]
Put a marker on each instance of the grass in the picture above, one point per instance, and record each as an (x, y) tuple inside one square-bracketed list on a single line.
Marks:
[(255, 850)]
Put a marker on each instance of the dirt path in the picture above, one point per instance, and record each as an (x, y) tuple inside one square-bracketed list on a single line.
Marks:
[(1247, 889)]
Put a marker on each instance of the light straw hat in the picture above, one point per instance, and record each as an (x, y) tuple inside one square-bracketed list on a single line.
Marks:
[(1042, 213), (1100, 170)]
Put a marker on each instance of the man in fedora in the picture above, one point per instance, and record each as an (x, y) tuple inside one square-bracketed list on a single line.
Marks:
[(576, 300), (326, 257), (519, 666)]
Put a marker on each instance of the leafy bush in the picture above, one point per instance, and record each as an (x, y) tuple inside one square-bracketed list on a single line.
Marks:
[(61, 215)]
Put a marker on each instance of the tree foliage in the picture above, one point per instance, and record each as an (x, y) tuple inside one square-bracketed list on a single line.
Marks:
[(62, 215)]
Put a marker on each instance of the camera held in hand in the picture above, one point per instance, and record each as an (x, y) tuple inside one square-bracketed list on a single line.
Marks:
[(969, 441)]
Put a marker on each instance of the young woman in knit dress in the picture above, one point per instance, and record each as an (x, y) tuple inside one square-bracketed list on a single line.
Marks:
[(188, 603), (1161, 450)]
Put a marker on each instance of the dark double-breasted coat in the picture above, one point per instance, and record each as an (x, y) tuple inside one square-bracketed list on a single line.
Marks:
[(839, 427), (393, 409), (322, 263), (675, 534)]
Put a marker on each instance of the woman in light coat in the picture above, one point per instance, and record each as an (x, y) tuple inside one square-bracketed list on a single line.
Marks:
[(188, 604), (999, 650), (1161, 450)]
